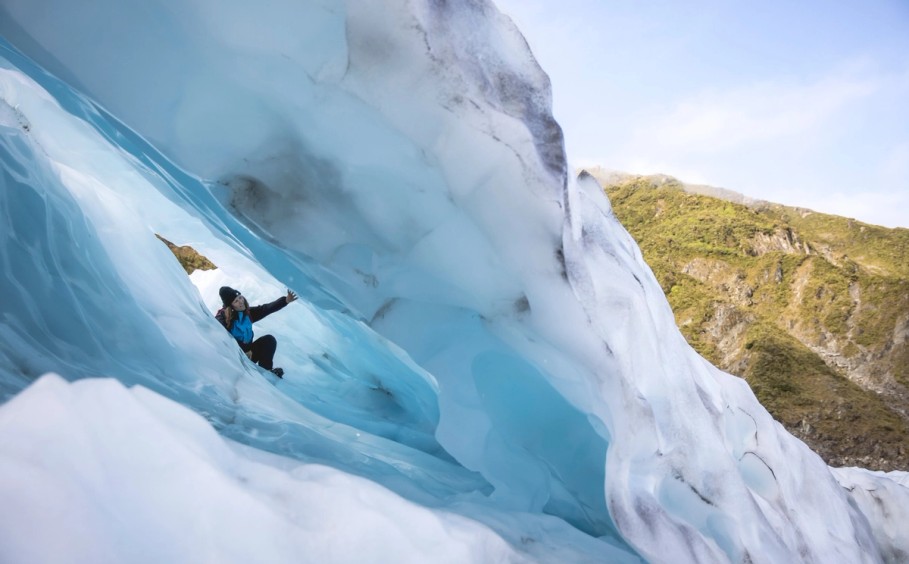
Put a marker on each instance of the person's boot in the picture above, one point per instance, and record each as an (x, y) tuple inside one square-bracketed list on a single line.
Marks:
[(279, 372)]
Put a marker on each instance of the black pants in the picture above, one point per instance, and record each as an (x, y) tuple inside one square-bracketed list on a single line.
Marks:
[(263, 351)]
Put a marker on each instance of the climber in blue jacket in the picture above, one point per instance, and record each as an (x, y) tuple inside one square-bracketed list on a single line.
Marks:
[(237, 317)]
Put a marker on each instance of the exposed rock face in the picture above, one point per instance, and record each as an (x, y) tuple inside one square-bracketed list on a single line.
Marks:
[(783, 240), (812, 310), (726, 279)]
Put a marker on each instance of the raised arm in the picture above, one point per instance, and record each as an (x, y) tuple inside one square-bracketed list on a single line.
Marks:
[(260, 311)]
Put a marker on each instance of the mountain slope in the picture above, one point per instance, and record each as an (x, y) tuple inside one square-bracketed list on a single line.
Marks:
[(811, 309)]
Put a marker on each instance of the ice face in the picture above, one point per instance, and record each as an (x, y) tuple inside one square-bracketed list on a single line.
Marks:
[(164, 471), (81, 211), (477, 333)]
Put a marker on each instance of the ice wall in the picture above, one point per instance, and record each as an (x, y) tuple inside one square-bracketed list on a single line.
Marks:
[(90, 292), (395, 163)]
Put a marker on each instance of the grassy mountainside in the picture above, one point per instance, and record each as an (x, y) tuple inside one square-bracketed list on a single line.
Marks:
[(811, 309)]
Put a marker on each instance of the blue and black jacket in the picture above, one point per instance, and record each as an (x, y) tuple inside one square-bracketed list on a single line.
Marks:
[(241, 321)]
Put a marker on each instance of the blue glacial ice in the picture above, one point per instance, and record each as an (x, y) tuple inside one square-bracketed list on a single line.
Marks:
[(481, 367)]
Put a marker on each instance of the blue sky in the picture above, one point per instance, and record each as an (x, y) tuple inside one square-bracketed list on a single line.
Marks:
[(804, 103)]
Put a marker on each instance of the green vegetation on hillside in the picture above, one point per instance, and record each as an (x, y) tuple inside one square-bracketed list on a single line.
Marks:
[(837, 418), (878, 250), (189, 259), (802, 305)]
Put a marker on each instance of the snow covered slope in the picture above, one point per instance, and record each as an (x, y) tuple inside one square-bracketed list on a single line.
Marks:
[(480, 348)]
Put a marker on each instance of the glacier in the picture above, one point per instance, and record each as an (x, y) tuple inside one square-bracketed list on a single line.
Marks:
[(481, 366)]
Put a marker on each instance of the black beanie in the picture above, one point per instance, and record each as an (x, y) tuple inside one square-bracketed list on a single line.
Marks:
[(227, 295)]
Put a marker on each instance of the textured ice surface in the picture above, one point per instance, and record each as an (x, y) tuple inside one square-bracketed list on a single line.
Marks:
[(478, 339), (884, 499), (147, 481)]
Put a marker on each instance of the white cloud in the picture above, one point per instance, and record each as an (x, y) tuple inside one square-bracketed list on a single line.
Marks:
[(831, 144), (722, 120), (890, 209), (894, 168)]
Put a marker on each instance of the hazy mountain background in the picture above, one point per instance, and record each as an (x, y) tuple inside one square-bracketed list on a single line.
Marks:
[(811, 309)]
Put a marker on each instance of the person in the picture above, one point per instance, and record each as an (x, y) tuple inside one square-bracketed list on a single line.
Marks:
[(237, 317)]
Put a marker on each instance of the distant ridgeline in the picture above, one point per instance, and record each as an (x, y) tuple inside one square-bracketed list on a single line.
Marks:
[(812, 310)]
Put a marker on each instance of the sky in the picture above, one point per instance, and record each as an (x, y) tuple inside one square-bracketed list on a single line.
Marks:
[(803, 103)]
